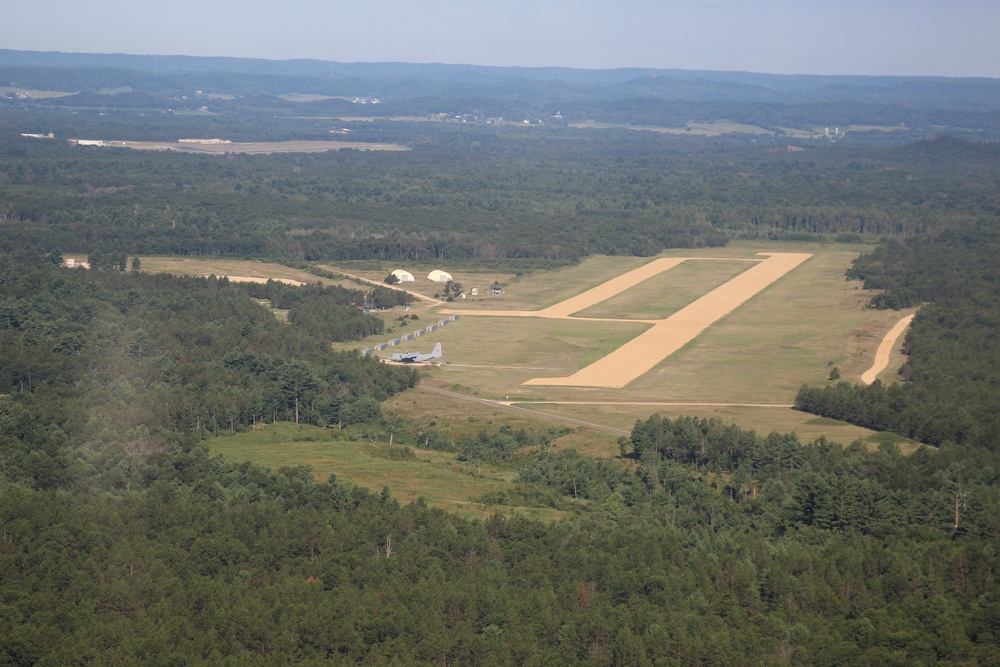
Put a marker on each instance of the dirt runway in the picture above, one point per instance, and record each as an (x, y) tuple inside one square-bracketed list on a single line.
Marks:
[(665, 337)]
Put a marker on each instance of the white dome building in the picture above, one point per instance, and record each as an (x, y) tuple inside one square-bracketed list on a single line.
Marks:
[(403, 276), (439, 276)]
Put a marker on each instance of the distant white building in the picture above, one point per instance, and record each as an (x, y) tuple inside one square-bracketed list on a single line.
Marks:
[(439, 276)]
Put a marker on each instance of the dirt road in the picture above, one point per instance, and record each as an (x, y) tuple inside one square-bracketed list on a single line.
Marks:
[(885, 349)]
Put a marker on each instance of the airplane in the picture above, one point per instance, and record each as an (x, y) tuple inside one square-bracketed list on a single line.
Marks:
[(415, 357)]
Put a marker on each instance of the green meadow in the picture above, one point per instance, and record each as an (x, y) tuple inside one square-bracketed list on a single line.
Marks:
[(438, 477)]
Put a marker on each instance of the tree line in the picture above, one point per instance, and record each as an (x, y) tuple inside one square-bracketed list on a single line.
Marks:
[(196, 354), (484, 193), (948, 384)]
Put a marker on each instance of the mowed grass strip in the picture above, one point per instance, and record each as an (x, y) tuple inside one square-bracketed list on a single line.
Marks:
[(497, 354), (666, 293), (437, 476)]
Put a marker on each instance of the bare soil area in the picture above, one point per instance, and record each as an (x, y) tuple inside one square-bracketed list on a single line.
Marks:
[(885, 349)]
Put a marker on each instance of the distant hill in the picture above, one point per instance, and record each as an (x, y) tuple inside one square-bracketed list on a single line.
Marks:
[(968, 107), (387, 79)]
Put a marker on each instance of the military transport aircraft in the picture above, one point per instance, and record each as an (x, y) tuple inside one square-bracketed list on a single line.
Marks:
[(416, 357)]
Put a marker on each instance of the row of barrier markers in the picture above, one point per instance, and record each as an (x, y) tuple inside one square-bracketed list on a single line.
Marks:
[(408, 337)]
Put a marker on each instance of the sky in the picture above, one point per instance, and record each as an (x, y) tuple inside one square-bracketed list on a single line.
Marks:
[(877, 37)]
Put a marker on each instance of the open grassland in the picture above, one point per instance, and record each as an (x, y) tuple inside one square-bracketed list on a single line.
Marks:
[(245, 268), (468, 417), (439, 477), (666, 293), (496, 355), (666, 337), (762, 352), (793, 332)]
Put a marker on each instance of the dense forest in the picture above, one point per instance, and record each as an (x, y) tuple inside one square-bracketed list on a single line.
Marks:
[(192, 355), (490, 194), (123, 541)]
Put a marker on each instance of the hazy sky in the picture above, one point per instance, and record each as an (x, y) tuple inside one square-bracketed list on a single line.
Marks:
[(917, 37)]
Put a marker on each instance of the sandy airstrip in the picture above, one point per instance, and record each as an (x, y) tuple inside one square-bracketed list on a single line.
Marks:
[(665, 336)]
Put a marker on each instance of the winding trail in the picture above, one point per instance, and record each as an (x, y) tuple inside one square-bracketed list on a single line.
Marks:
[(885, 349)]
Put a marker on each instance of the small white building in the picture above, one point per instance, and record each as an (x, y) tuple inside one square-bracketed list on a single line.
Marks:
[(403, 276)]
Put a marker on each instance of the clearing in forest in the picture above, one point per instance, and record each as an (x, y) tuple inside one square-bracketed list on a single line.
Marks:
[(666, 336)]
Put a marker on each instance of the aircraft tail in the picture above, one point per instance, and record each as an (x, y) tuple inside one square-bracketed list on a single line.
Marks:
[(436, 352)]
